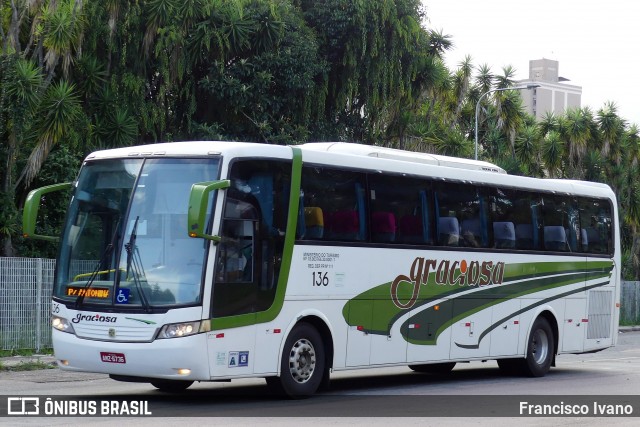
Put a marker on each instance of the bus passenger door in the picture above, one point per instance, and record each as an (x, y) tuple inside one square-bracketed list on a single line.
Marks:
[(232, 349)]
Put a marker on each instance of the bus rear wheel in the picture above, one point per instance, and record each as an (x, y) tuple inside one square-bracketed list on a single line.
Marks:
[(540, 349), (302, 365), (171, 386), (434, 368)]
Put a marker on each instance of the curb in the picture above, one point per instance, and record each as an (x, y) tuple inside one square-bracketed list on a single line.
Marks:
[(629, 328)]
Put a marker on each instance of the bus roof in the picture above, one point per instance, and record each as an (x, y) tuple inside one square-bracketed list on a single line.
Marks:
[(407, 156), (372, 157)]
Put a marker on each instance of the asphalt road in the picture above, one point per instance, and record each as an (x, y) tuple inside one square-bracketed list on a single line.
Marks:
[(473, 394)]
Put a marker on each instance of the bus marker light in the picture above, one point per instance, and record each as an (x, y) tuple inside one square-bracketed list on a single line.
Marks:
[(220, 335), (585, 320), (277, 331), (436, 307), (467, 324), (183, 371), (516, 322), (360, 328)]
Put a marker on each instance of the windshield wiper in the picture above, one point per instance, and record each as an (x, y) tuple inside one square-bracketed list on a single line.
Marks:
[(107, 251), (134, 264)]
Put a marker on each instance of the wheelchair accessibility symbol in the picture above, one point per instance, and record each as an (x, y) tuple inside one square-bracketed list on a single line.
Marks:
[(123, 296)]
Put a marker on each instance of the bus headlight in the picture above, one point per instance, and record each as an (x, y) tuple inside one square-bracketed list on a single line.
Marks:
[(177, 330), (62, 324)]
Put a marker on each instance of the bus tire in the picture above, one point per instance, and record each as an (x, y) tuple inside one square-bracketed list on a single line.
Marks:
[(434, 368), (540, 349), (302, 367), (171, 386)]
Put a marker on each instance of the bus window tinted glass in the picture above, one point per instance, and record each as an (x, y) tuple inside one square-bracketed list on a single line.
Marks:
[(461, 215), (595, 226), (333, 205), (399, 209), (249, 255), (560, 220)]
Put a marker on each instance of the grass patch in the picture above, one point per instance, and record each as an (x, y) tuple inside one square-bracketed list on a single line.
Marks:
[(24, 352), (31, 365)]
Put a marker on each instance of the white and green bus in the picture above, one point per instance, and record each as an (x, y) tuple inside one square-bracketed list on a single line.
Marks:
[(212, 261)]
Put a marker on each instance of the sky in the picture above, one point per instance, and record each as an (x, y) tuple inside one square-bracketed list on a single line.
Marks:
[(596, 43)]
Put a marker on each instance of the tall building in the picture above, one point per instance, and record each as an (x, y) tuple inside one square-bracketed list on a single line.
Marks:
[(553, 94)]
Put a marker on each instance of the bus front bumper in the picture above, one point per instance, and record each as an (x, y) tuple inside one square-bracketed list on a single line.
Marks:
[(182, 358)]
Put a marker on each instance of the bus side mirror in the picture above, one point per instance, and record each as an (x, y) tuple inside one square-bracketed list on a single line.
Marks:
[(31, 207), (198, 202)]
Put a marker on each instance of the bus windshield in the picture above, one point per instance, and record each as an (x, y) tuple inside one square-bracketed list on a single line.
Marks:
[(125, 241)]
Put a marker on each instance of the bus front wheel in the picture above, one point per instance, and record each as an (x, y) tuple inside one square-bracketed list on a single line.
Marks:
[(303, 363)]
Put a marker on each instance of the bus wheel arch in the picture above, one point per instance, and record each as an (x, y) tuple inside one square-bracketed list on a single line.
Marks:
[(306, 359), (327, 338)]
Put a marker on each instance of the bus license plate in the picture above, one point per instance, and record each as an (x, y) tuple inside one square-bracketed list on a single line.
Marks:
[(112, 357)]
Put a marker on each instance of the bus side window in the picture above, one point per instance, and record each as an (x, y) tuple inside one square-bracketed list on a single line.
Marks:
[(462, 216), (595, 226), (334, 205), (560, 221)]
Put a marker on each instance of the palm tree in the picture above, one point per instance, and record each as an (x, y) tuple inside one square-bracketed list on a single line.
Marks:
[(64, 27), (576, 130), (461, 85), (439, 43), (484, 79), (59, 109), (509, 114), (506, 79), (553, 153), (435, 82), (612, 128), (549, 123), (527, 149)]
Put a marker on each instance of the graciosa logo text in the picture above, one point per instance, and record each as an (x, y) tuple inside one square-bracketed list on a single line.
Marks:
[(94, 318), (446, 273)]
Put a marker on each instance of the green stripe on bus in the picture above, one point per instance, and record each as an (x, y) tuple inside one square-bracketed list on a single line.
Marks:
[(527, 308), (528, 278), (456, 309)]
